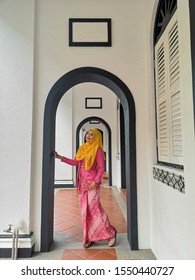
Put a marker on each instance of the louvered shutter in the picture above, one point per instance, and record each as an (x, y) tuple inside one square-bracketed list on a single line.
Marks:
[(162, 106), (175, 94), (168, 99)]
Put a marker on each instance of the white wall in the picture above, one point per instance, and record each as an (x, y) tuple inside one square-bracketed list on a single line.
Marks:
[(64, 136), (172, 229), (16, 95)]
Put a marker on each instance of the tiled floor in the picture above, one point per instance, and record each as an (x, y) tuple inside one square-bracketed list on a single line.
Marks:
[(67, 222), (67, 243)]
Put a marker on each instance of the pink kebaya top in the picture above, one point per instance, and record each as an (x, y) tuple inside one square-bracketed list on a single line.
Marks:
[(86, 177)]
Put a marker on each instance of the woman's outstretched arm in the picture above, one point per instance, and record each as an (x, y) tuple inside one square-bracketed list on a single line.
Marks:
[(69, 161)]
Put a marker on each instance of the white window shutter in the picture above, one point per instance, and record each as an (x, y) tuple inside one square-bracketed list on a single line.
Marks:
[(168, 96), (162, 102), (175, 95)]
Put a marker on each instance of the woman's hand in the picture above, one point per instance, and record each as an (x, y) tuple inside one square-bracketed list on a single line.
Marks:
[(56, 155), (93, 186)]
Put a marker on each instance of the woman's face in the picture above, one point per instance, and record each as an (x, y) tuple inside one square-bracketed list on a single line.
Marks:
[(89, 136)]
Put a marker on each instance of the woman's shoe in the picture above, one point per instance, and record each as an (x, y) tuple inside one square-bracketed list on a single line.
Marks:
[(112, 241), (88, 244)]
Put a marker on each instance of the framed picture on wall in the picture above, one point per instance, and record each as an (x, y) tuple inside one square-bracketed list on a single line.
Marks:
[(90, 32), (93, 103)]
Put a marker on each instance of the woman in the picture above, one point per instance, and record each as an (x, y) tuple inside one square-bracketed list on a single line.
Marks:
[(90, 161)]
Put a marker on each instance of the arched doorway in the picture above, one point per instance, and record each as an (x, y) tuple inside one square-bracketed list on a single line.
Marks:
[(67, 81), (109, 140)]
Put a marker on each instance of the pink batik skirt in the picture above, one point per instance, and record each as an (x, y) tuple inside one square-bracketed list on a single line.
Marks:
[(95, 222)]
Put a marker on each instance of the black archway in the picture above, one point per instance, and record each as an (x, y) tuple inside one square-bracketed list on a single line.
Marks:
[(109, 140), (67, 81)]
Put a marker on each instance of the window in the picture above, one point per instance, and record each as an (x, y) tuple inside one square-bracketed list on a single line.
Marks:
[(168, 96)]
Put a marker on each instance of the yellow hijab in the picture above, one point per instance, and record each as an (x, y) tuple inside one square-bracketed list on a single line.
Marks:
[(88, 150)]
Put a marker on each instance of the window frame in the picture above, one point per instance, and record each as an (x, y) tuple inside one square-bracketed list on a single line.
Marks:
[(158, 37)]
